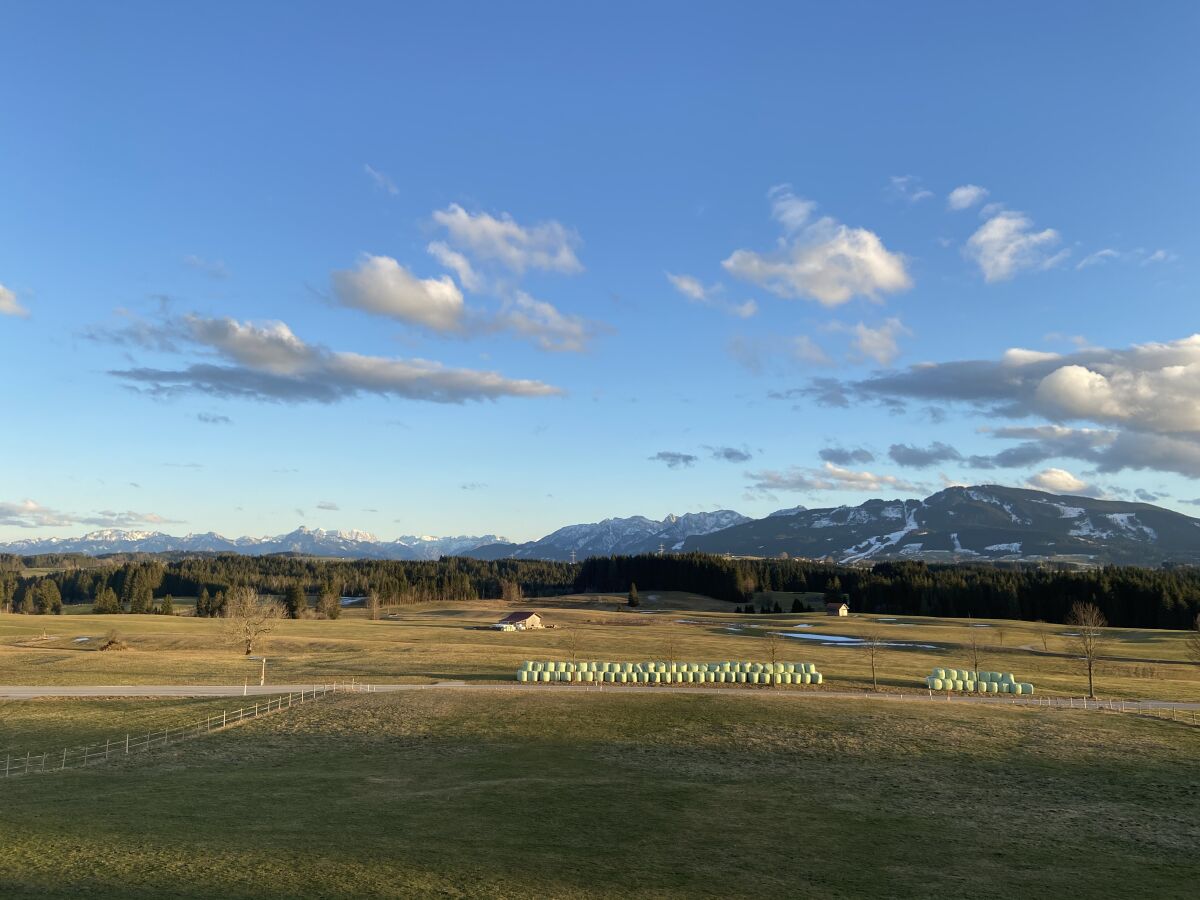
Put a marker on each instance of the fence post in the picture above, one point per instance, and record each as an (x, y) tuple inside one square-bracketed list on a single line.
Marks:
[(64, 762), (127, 743), (7, 760), (106, 743)]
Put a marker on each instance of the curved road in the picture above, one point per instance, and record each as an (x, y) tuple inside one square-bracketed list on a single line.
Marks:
[(18, 692)]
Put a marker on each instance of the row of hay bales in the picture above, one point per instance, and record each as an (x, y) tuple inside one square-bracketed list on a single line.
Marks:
[(973, 682), (670, 673)]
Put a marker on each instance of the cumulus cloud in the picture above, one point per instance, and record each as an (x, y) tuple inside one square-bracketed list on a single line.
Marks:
[(1139, 256), (829, 477), (1146, 398), (9, 305), (914, 457), (822, 260), (695, 291), (673, 459), (880, 344), (381, 181), (269, 362), (380, 285), (843, 456), (328, 505), (1006, 245), (1059, 481), (965, 196), (548, 246)]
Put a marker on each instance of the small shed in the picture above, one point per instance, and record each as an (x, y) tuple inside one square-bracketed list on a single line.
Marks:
[(522, 621), (837, 609)]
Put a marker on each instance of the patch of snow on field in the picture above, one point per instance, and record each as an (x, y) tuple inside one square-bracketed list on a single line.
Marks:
[(1014, 547), (1086, 528), (979, 625), (996, 501), (873, 545), (892, 512), (1068, 512), (841, 640), (911, 549), (823, 522), (80, 640)]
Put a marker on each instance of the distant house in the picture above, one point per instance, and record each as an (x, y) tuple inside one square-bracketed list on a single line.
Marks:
[(520, 621), (837, 609)]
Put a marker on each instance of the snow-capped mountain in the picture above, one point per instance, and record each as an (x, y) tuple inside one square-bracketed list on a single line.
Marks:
[(307, 541), (961, 524), (636, 534)]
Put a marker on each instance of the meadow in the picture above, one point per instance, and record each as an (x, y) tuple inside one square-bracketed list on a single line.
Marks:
[(425, 644), (566, 794)]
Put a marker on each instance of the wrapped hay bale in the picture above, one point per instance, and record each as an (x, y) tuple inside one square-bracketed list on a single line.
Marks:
[(817, 678), (936, 684), (752, 678), (939, 672), (1018, 688), (522, 675), (1026, 687), (969, 686)]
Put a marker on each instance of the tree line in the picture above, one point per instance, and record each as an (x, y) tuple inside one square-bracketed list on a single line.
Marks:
[(1128, 596)]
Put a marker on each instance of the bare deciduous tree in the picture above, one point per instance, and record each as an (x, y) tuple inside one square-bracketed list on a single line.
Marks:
[(1089, 624), (671, 648), (873, 643), (974, 645), (374, 605), (248, 617), (571, 643), (1192, 644), (772, 640)]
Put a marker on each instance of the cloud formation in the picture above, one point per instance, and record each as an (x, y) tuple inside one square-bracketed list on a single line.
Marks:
[(673, 459), (9, 305), (843, 456), (965, 196), (730, 454), (547, 246), (829, 477), (908, 188), (914, 457), (880, 344), (1059, 481), (380, 285), (213, 268), (269, 362), (1146, 398), (28, 514), (694, 290), (821, 260), (1006, 245)]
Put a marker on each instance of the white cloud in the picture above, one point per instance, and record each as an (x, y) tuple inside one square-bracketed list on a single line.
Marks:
[(381, 181), (1006, 244), (9, 305), (269, 362), (829, 477), (382, 286), (551, 329), (457, 263), (965, 196), (823, 260), (1094, 259), (1139, 255), (1058, 481), (908, 188), (788, 210), (548, 246), (28, 514), (880, 344), (695, 291)]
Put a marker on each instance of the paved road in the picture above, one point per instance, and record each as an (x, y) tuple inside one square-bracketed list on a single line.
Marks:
[(17, 692)]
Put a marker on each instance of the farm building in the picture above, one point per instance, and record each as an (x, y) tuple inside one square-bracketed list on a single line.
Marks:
[(837, 609), (520, 621)]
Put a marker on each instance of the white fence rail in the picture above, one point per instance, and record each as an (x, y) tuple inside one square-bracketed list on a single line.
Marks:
[(113, 748)]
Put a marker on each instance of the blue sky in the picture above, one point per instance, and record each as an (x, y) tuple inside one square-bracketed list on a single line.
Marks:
[(484, 269)]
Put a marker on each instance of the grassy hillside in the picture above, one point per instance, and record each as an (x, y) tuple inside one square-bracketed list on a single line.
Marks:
[(601, 795), (433, 643)]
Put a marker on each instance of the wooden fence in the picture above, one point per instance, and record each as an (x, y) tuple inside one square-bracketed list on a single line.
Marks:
[(115, 748)]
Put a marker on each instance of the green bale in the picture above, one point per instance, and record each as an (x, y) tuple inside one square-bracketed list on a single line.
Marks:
[(752, 678), (817, 678), (936, 683), (1018, 688), (777, 678), (939, 672), (1026, 687), (522, 675), (969, 686)]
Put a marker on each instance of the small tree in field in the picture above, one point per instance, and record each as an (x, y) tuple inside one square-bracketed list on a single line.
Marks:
[(974, 645), (168, 606), (1089, 624), (248, 617), (633, 595), (873, 644), (294, 601), (510, 591), (374, 605), (571, 643), (772, 648)]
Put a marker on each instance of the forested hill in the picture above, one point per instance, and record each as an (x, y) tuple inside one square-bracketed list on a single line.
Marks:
[(1129, 596)]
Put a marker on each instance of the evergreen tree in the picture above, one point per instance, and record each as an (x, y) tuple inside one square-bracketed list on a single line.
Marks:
[(107, 602), (633, 600), (295, 604), (204, 604), (28, 602), (48, 600), (797, 606), (168, 606)]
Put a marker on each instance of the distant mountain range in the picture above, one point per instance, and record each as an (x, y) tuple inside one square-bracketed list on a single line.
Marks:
[(959, 524), (962, 524)]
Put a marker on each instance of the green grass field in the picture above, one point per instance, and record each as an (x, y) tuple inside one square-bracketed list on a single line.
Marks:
[(523, 794), (431, 643)]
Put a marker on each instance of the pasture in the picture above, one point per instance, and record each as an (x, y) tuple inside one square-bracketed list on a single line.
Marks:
[(424, 644), (512, 794)]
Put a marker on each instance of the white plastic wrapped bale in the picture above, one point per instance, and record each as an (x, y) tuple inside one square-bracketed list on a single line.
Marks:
[(1026, 687)]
